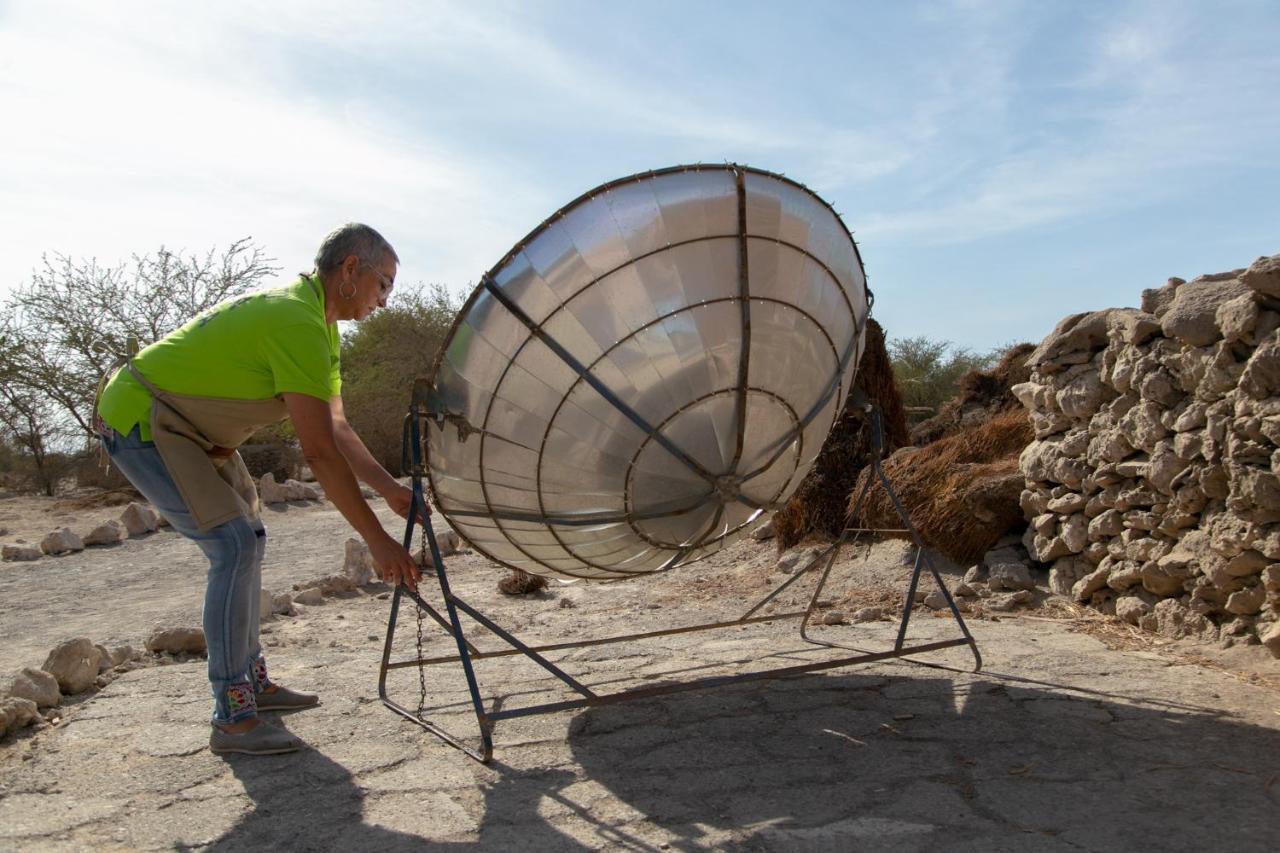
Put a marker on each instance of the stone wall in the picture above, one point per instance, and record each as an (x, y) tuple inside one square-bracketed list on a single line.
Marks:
[(1151, 487)]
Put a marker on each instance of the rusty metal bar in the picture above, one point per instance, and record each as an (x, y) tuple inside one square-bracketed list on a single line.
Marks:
[(719, 681), (622, 638)]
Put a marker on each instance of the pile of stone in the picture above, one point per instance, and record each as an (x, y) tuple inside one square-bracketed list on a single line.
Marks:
[(136, 520), (1151, 486), (271, 492), (72, 667), (1001, 582)]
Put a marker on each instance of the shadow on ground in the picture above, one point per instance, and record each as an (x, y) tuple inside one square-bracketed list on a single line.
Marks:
[(855, 762)]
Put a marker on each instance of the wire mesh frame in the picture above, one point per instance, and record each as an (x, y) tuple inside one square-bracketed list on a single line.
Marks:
[(467, 653), (727, 488)]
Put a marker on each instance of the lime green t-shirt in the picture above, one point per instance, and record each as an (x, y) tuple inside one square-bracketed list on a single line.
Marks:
[(252, 347)]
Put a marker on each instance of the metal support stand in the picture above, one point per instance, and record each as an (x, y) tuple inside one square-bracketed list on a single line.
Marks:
[(450, 622)]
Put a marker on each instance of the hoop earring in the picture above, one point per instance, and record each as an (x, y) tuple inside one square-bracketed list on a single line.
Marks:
[(343, 293)]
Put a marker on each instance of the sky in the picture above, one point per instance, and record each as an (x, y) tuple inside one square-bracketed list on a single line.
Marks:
[(1001, 164)]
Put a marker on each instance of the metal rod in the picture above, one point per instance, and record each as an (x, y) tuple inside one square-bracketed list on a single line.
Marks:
[(520, 647), (719, 681), (419, 502), (580, 644), (744, 302), (590, 378), (799, 573)]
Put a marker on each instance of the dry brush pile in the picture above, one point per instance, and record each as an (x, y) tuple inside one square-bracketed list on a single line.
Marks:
[(820, 503), (1152, 482)]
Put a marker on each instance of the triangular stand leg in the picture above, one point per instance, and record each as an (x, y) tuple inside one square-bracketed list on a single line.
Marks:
[(922, 561)]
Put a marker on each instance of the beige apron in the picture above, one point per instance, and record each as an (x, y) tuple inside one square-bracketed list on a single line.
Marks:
[(197, 437)]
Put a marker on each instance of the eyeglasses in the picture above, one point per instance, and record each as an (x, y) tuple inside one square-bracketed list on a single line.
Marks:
[(385, 283)]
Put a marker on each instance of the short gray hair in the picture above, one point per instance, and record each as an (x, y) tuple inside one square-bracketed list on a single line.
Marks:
[(354, 238)]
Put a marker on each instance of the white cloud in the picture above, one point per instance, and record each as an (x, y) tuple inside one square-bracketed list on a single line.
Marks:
[(128, 131)]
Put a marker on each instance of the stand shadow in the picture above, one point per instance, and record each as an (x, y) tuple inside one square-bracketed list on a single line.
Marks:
[(897, 763), (851, 762)]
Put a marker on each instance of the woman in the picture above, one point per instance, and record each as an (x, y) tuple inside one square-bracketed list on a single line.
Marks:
[(173, 416)]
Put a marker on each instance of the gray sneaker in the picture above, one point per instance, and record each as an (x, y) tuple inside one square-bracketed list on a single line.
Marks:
[(284, 699), (262, 739)]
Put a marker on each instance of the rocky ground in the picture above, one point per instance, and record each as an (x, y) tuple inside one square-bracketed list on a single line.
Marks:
[(1079, 733)]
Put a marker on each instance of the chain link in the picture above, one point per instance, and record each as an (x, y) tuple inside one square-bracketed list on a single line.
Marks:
[(422, 670)]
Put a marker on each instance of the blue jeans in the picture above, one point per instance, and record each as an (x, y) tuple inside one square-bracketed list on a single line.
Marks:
[(231, 601)]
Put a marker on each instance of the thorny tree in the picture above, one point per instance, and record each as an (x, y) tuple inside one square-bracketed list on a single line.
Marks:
[(67, 326)]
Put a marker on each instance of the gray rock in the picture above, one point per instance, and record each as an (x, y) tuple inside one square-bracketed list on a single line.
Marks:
[(1106, 525), (789, 561), (310, 597), (1124, 575), (1083, 396), (297, 491), (1090, 583), (16, 713), (1271, 578), (139, 519), (1004, 602), (935, 600), (264, 606), (121, 654), (1068, 504), (1170, 618), (1247, 601), (271, 492), (1142, 427), (1065, 572), (357, 562), (176, 640), (833, 617), (1263, 276), (1245, 564), (1131, 609), (282, 605), (1192, 316), (976, 574), (1076, 334), (1261, 376), (1010, 575), (1271, 639), (74, 663), (20, 553), (38, 686), (1156, 301), (107, 533), (1074, 533), (1135, 328), (1237, 317), (1163, 578), (1159, 387), (765, 531), (964, 590), (449, 542), (61, 542), (329, 585)]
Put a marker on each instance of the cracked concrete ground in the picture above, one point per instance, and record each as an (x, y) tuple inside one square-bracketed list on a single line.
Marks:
[(1058, 744)]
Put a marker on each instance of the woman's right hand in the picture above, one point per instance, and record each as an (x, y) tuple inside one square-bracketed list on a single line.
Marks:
[(395, 564)]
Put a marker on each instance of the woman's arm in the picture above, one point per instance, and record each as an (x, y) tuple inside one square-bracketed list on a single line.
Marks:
[(366, 468), (313, 421)]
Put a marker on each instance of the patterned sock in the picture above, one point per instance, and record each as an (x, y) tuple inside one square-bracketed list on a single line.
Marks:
[(260, 680), (240, 698)]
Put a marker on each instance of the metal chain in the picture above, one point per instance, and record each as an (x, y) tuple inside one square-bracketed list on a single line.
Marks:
[(422, 670)]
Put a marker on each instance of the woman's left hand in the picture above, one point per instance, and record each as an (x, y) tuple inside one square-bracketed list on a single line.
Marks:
[(401, 498)]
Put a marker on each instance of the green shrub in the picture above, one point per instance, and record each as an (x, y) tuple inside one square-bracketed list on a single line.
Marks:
[(383, 355)]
